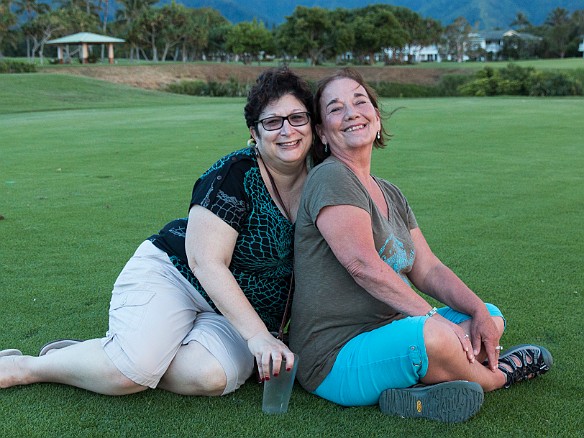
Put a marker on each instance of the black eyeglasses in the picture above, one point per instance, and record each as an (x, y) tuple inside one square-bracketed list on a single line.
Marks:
[(276, 122)]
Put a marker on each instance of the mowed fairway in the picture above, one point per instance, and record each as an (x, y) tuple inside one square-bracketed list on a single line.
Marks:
[(88, 170)]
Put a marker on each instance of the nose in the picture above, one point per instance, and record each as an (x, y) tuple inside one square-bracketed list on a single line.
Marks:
[(350, 112), (286, 127)]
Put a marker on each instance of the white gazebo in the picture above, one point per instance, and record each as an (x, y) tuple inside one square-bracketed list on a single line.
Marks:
[(86, 39)]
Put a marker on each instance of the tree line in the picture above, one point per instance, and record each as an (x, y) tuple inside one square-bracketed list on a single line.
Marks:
[(174, 32)]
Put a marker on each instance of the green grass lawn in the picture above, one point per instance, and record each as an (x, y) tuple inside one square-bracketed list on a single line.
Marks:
[(89, 169)]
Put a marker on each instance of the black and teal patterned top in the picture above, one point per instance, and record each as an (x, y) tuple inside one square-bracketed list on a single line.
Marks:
[(233, 189)]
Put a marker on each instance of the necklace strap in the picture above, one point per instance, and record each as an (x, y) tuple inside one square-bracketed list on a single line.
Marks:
[(274, 187), (289, 217)]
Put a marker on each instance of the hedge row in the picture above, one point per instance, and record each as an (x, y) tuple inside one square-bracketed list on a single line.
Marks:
[(511, 80), (7, 66), (519, 81), (448, 86), (214, 89)]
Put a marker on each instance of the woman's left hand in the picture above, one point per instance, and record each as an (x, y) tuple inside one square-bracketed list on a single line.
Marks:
[(266, 348), (485, 334)]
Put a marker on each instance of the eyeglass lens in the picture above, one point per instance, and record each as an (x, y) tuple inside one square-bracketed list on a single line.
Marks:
[(276, 122)]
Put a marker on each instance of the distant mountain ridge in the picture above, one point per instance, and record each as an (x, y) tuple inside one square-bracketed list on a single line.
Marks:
[(486, 14), (483, 14)]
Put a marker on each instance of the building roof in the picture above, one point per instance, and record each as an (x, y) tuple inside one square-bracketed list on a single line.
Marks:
[(495, 35), (86, 37)]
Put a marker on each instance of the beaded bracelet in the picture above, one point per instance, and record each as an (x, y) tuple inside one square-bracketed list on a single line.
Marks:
[(431, 312)]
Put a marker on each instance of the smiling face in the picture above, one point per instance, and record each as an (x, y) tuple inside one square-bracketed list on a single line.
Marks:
[(288, 144), (349, 119)]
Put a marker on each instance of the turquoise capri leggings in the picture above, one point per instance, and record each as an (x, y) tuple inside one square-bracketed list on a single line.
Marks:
[(392, 356)]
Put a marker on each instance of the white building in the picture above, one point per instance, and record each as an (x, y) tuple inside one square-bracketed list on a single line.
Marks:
[(493, 42), (417, 54)]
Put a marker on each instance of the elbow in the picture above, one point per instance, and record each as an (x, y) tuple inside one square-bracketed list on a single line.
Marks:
[(356, 269)]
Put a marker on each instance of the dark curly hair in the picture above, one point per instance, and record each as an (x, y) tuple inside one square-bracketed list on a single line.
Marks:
[(271, 85), (318, 151)]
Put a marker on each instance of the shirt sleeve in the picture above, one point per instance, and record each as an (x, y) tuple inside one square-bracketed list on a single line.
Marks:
[(222, 190)]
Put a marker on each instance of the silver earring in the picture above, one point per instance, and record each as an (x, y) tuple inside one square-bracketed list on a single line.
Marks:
[(378, 135), (326, 148)]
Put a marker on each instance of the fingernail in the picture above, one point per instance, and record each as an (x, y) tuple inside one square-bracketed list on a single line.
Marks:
[(288, 369), (275, 374), (266, 379)]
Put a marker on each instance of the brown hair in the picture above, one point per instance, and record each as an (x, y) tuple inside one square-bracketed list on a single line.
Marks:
[(319, 153)]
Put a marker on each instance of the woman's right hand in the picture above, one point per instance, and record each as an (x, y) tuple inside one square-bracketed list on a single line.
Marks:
[(265, 348)]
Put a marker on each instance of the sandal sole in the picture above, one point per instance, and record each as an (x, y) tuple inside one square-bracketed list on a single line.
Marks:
[(448, 402), (58, 344), (10, 352)]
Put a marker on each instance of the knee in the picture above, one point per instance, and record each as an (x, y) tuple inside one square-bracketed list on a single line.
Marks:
[(200, 377), (213, 379), (210, 380), (122, 385), (500, 323), (439, 339)]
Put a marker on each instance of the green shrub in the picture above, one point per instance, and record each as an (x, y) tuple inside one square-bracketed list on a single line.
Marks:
[(520, 81), (554, 84), (485, 86), (449, 84), (392, 89), (230, 88), (192, 88), (578, 75), (8, 66)]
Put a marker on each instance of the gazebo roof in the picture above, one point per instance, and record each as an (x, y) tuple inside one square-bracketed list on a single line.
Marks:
[(87, 38)]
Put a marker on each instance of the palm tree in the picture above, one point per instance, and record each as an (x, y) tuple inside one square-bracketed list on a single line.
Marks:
[(7, 20), (127, 14), (29, 9), (558, 30), (521, 21)]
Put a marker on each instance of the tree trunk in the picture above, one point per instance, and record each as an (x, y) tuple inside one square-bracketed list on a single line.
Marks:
[(153, 47), (165, 52), (104, 28)]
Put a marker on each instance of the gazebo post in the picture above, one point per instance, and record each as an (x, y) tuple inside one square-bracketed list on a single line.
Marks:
[(85, 53), (110, 53), (60, 54)]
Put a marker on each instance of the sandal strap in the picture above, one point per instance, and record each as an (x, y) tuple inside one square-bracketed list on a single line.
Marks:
[(531, 364)]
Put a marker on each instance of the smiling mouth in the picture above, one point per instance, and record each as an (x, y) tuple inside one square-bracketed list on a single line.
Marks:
[(289, 143), (354, 128)]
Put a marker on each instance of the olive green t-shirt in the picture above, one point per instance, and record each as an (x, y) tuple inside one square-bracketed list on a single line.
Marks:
[(329, 307)]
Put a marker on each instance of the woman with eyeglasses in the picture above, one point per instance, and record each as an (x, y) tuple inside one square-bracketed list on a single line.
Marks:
[(198, 302)]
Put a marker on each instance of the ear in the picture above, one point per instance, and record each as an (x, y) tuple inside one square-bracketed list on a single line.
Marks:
[(253, 133), (320, 133), (378, 118)]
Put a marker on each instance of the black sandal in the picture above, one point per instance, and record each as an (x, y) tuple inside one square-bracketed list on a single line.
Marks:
[(524, 362)]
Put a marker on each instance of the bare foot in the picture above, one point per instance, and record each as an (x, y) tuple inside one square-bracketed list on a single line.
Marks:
[(9, 369)]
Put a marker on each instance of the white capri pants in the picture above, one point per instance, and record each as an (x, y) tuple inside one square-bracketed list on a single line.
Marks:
[(154, 310)]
